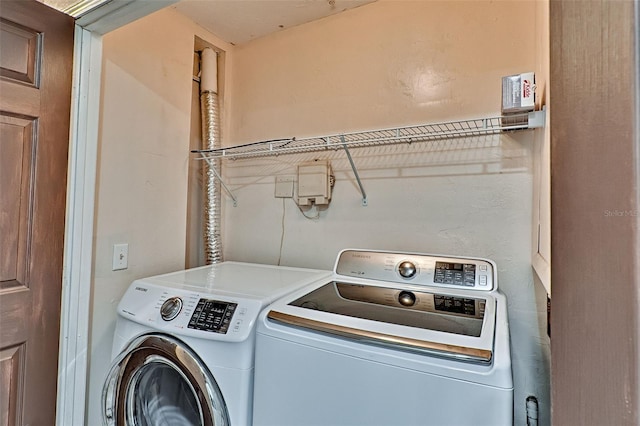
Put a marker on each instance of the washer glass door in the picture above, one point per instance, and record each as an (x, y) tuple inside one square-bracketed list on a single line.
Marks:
[(160, 395), (159, 381)]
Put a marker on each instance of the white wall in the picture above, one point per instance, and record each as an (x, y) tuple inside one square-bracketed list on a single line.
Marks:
[(143, 166), (381, 65)]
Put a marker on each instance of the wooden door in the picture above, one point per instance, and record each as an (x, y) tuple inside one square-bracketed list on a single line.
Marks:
[(36, 54)]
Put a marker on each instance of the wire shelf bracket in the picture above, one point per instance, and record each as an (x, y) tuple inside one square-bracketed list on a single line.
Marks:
[(226, 188), (365, 203)]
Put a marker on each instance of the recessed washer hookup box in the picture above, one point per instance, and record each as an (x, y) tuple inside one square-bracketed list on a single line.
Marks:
[(518, 93)]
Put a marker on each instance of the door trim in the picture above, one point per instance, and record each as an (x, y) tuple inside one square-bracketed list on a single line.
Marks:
[(78, 252)]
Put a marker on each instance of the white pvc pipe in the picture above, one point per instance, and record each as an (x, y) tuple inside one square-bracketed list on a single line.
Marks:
[(209, 71)]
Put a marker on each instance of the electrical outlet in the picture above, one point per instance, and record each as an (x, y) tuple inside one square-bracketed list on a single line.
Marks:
[(284, 186), (120, 257)]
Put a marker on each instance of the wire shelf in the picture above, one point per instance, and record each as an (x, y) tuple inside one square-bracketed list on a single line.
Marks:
[(408, 134)]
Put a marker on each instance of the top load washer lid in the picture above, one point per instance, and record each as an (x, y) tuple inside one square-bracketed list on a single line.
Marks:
[(441, 305), (438, 312), (451, 325), (246, 280)]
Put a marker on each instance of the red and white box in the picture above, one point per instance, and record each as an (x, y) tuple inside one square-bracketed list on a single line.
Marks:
[(518, 93)]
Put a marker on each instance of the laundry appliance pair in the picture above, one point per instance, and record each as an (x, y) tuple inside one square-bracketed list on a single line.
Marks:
[(386, 338)]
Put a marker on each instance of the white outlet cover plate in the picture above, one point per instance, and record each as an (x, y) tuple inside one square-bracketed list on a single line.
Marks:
[(120, 257)]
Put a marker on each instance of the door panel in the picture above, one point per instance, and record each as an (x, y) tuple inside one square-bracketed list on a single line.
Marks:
[(20, 52), (16, 171), (36, 51), (11, 369)]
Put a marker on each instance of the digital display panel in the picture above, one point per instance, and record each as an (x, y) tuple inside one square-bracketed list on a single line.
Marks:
[(463, 274), (212, 315), (449, 266)]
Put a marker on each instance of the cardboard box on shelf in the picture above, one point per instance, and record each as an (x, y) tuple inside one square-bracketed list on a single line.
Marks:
[(518, 93)]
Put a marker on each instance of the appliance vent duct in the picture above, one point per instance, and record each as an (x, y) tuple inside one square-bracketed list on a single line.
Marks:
[(210, 110)]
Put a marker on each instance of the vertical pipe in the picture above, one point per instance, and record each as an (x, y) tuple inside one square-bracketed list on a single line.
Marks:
[(209, 106)]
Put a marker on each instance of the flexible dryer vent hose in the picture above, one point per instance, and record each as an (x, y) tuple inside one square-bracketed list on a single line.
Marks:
[(209, 106)]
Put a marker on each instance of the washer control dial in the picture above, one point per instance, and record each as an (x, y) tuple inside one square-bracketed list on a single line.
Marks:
[(407, 298), (171, 308), (407, 269)]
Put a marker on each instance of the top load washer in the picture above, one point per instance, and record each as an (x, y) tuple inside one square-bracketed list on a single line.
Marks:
[(389, 339), (184, 344)]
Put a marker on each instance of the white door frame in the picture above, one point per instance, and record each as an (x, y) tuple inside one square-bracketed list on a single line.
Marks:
[(83, 151)]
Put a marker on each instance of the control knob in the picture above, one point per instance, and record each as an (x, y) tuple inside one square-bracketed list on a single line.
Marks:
[(407, 298), (407, 269), (171, 308)]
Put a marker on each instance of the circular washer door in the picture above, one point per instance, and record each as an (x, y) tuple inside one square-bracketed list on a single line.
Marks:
[(157, 380)]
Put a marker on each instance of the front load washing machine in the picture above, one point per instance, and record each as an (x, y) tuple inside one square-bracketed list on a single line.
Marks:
[(184, 344), (389, 339)]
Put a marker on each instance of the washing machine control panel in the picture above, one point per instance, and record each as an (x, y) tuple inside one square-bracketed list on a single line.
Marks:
[(212, 315), (182, 312), (418, 269)]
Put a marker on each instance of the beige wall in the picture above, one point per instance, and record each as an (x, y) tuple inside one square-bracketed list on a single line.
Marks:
[(384, 64), (387, 64), (143, 166)]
